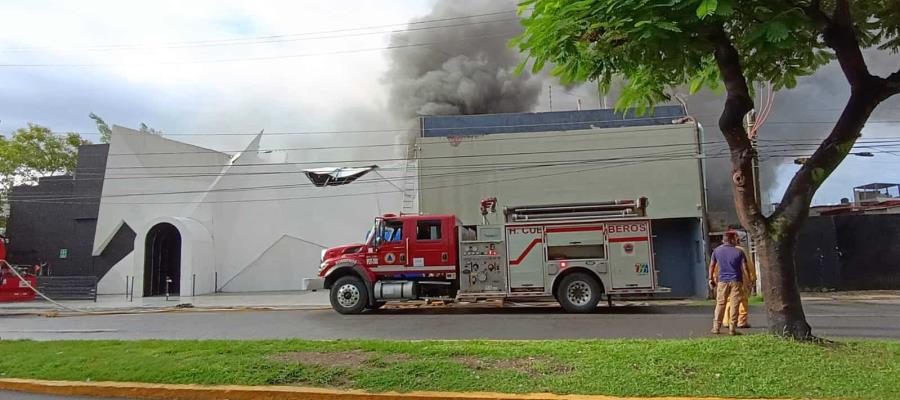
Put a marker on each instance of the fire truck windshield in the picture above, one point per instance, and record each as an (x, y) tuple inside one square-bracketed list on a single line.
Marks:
[(374, 232)]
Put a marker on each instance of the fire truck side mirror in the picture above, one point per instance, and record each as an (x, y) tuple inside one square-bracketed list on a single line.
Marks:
[(378, 241)]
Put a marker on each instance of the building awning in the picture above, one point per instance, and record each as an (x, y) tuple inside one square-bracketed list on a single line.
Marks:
[(334, 176)]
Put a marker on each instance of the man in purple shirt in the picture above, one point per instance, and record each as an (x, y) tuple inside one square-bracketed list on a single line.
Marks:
[(728, 280)]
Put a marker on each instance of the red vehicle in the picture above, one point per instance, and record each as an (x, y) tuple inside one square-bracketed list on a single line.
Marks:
[(574, 253), (11, 287)]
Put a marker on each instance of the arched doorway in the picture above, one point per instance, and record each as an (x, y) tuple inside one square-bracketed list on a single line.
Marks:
[(162, 260)]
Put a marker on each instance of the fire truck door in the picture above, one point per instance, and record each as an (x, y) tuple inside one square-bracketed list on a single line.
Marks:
[(428, 244), (525, 248), (392, 250), (630, 258)]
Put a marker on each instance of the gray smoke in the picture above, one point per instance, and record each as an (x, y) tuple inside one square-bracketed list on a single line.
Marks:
[(469, 69), (805, 112)]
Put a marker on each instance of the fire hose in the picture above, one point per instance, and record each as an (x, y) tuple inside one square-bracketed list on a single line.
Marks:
[(38, 292), (132, 311)]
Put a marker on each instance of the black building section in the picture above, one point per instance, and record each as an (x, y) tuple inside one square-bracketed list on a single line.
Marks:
[(849, 252), (54, 222)]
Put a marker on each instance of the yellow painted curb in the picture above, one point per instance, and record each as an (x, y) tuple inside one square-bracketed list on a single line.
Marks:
[(152, 391)]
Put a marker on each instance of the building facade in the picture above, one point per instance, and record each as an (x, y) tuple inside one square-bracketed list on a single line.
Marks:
[(162, 216), (576, 156), (53, 222)]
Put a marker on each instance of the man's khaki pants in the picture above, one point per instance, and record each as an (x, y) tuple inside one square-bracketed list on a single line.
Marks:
[(743, 310), (727, 292)]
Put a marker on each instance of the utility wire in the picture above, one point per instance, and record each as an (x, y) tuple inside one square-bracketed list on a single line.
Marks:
[(370, 193), (669, 156), (263, 39), (102, 174), (259, 58)]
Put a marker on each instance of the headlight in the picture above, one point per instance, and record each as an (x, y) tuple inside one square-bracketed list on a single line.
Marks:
[(322, 256)]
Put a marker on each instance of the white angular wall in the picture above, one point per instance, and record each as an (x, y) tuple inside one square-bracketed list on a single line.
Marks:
[(250, 221)]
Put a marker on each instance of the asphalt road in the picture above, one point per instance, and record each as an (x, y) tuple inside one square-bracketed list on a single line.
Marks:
[(5, 395), (844, 319)]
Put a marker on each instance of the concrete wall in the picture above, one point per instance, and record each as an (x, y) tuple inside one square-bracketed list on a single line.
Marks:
[(657, 162), (586, 162), (249, 221)]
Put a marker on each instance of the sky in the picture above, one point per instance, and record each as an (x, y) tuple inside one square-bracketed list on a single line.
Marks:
[(140, 61)]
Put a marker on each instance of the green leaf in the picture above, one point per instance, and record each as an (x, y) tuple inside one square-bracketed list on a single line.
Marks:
[(696, 84), (776, 31), (707, 8), (538, 66), (725, 8)]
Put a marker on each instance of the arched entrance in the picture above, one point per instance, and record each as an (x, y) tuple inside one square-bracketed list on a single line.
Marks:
[(162, 260)]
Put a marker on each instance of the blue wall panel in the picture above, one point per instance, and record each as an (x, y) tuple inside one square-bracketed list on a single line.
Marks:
[(679, 258), (462, 125)]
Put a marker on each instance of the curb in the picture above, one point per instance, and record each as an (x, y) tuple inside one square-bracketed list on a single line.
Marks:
[(153, 310), (151, 391)]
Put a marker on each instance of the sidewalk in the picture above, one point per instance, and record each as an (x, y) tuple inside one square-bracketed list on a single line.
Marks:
[(300, 300), (113, 303)]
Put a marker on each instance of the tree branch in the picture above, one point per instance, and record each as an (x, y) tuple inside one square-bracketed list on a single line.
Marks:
[(892, 84), (738, 103), (838, 33), (814, 11)]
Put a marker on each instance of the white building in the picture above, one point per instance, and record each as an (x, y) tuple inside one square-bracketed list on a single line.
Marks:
[(252, 221), (256, 220)]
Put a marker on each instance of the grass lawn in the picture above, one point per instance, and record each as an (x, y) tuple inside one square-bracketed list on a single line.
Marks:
[(748, 366)]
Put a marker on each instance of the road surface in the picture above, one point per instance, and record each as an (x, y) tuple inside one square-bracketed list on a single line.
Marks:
[(5, 395), (832, 319)]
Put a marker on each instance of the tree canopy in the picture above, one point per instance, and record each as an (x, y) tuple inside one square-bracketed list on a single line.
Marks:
[(655, 45), (106, 132), (658, 44), (33, 152)]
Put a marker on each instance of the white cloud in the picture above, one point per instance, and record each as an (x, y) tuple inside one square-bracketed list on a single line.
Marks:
[(132, 85)]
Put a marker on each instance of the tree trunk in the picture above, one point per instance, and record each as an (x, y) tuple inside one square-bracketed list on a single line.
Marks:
[(779, 285)]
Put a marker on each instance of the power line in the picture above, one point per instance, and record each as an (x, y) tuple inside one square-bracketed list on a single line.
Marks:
[(259, 58), (416, 129), (396, 130), (515, 167), (655, 157), (481, 139), (268, 38), (363, 194), (625, 164), (376, 160)]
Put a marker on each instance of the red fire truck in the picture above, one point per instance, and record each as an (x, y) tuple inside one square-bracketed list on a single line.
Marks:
[(11, 287), (573, 253)]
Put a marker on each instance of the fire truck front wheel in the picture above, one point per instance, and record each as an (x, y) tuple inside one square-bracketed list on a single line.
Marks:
[(348, 295), (578, 292)]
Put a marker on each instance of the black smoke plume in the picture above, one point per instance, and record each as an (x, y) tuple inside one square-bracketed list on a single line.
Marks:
[(468, 70)]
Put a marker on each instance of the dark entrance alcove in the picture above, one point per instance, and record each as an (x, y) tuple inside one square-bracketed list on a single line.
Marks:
[(162, 260)]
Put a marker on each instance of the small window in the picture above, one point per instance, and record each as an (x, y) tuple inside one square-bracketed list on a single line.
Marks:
[(579, 252), (393, 231), (428, 230)]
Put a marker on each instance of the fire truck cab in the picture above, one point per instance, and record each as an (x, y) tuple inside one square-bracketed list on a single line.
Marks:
[(573, 253)]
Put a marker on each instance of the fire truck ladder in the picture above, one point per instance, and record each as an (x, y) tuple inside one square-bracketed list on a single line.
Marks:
[(410, 182), (578, 211)]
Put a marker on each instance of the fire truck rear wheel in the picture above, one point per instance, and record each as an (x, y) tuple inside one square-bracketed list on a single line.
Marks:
[(578, 293), (349, 295)]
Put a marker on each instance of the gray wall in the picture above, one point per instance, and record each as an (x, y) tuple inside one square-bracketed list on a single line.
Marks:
[(657, 162), (849, 252)]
